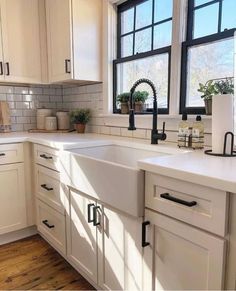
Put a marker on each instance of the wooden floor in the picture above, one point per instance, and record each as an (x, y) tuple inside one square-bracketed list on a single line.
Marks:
[(32, 264)]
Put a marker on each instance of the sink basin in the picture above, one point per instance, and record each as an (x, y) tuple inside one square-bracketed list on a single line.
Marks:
[(110, 174)]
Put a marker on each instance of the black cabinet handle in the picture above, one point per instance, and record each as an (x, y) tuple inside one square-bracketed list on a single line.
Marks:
[(2, 155), (44, 186), (167, 196), (67, 63), (144, 243), (8, 69), (95, 216), (45, 222), (45, 157), (89, 212), (1, 68)]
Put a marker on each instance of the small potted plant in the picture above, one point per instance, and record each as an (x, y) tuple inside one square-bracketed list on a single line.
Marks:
[(123, 100), (208, 91), (140, 98), (80, 117), (224, 86)]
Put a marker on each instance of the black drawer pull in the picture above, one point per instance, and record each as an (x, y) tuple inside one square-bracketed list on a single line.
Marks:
[(96, 222), (167, 196), (2, 155), (144, 243), (7, 69), (1, 68), (45, 222), (44, 186), (89, 212), (45, 157), (67, 65)]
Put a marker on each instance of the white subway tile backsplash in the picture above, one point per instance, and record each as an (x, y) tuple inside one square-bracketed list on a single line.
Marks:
[(6, 89), (3, 97), (14, 97), (21, 90)]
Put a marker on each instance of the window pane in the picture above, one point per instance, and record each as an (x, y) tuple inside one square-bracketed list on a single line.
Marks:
[(206, 62), (200, 2), (163, 9), (228, 14), (162, 34), (206, 20), (127, 45), (154, 68), (143, 41), (144, 14), (127, 21)]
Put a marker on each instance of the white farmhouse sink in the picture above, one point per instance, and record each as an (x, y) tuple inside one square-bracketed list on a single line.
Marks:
[(110, 174)]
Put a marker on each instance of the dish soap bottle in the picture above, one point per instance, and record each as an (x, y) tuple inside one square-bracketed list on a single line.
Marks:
[(183, 131), (198, 134)]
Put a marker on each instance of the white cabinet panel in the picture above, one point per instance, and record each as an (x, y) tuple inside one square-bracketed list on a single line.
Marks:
[(120, 252), (82, 236), (12, 198), (183, 258), (21, 40)]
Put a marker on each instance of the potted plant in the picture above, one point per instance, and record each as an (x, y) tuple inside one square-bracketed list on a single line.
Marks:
[(208, 91), (80, 117), (139, 100), (123, 100), (224, 86)]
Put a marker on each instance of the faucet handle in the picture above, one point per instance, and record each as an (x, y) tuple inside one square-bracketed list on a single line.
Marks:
[(163, 127)]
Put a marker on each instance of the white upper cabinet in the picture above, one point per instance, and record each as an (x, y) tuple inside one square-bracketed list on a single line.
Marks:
[(74, 37), (20, 60)]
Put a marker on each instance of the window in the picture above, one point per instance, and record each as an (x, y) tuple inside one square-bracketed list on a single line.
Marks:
[(143, 49), (208, 52)]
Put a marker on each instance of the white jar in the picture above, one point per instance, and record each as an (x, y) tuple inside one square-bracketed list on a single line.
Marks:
[(41, 115), (51, 123), (63, 120)]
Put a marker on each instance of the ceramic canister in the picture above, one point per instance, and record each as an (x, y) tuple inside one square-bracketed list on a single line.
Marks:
[(63, 120), (51, 123), (41, 115)]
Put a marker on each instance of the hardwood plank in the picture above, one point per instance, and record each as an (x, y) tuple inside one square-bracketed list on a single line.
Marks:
[(32, 264)]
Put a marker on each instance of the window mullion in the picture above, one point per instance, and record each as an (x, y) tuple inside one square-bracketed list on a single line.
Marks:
[(153, 15), (220, 16), (134, 29)]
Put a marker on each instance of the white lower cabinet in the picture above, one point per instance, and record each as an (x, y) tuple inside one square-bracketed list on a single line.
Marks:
[(104, 244), (12, 198), (120, 251), (180, 257), (82, 235)]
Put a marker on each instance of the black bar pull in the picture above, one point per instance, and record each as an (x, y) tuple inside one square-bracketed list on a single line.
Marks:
[(167, 196), (45, 157), (144, 243), (96, 222), (67, 66), (44, 186), (2, 155), (8, 69), (45, 222), (89, 212), (1, 68)]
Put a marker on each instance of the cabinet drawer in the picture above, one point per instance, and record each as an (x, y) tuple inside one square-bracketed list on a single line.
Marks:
[(209, 213), (47, 157), (11, 153), (52, 225), (49, 189)]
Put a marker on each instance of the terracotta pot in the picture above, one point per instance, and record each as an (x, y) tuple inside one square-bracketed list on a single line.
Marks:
[(124, 108), (208, 106), (80, 128), (139, 107)]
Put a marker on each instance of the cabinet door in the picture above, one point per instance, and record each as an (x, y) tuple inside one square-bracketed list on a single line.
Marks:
[(82, 236), (21, 40), (120, 252), (183, 258), (12, 198), (59, 39)]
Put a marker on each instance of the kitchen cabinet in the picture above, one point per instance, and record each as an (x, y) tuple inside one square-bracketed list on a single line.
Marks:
[(82, 235), (74, 36), (20, 42), (120, 251), (12, 198), (178, 256)]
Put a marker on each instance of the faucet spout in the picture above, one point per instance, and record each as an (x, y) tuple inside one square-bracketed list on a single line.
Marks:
[(154, 135)]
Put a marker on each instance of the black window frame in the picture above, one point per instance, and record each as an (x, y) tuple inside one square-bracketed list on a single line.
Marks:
[(121, 8), (191, 42)]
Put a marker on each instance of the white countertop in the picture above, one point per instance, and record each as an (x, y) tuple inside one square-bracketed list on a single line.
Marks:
[(195, 167)]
